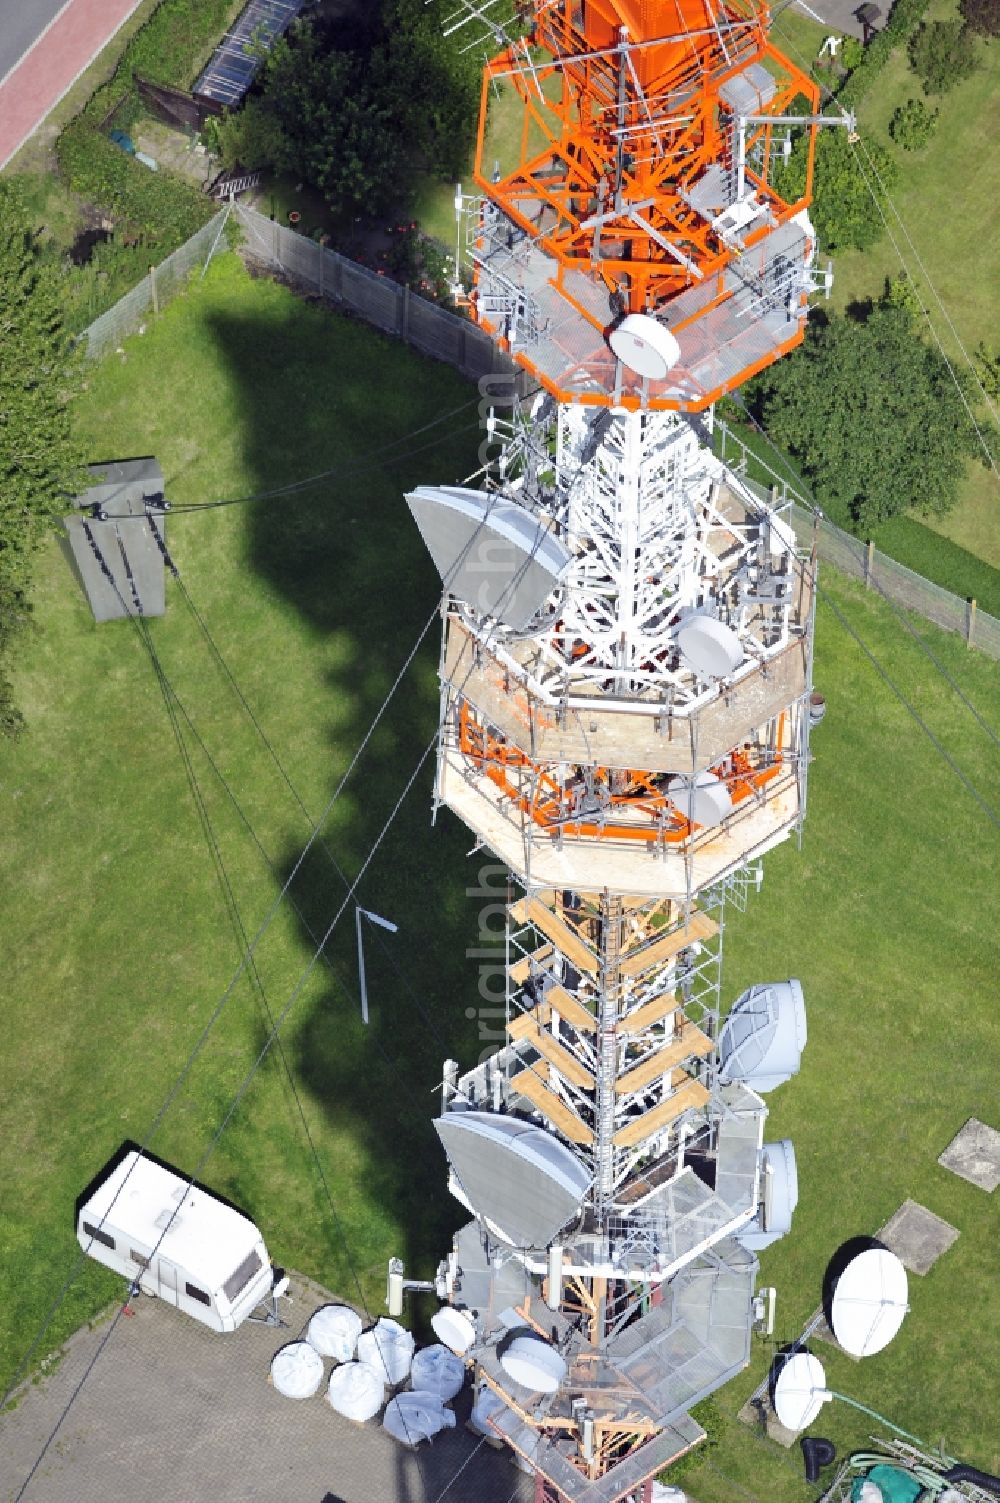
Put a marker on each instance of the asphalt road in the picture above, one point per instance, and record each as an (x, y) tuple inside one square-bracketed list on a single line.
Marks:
[(44, 47), (22, 23)]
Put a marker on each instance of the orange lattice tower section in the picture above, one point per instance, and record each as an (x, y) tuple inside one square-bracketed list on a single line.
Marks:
[(643, 185)]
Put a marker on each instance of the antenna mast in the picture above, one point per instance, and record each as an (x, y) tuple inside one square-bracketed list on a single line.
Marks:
[(626, 673)]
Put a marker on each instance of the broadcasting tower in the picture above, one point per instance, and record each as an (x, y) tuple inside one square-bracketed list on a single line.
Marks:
[(625, 678)]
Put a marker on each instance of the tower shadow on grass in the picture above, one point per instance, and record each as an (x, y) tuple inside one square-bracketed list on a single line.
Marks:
[(318, 392)]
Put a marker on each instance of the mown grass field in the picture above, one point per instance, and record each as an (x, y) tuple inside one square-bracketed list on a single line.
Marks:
[(941, 225), (118, 944)]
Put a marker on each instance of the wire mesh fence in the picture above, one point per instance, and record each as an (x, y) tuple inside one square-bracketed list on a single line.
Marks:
[(428, 327), (156, 289), (438, 332), (860, 560)]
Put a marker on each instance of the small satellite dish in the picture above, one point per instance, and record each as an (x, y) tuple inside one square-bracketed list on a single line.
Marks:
[(704, 799), (869, 1302), (534, 1364), (648, 348), (708, 646), (800, 1391), (453, 1328)]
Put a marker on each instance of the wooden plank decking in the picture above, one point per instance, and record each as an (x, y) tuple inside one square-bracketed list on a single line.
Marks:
[(565, 939), (701, 927), (690, 1093), (552, 1106), (689, 1041), (572, 1009)]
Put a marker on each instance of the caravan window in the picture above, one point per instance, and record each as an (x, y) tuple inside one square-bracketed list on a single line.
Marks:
[(194, 1292), (99, 1234), (238, 1281), (138, 1257)]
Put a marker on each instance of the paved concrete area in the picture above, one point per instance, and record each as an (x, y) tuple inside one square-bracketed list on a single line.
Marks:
[(174, 1413), (917, 1236), (974, 1154), (176, 151)]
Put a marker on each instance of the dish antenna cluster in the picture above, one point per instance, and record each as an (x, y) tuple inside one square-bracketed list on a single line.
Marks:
[(626, 672), (867, 1309)]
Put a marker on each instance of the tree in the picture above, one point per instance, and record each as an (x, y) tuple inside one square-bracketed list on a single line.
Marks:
[(851, 181), (941, 54), (982, 16), (431, 86), (39, 458), (340, 134), (912, 124), (360, 124), (872, 416), (250, 137)]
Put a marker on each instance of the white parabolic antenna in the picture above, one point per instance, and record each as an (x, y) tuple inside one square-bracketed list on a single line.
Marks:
[(800, 1391), (534, 1364), (645, 346), (869, 1302), (708, 646), (453, 1328)]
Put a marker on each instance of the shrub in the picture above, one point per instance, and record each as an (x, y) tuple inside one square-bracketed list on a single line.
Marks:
[(155, 207), (941, 54), (851, 54), (913, 124), (988, 369), (39, 453)]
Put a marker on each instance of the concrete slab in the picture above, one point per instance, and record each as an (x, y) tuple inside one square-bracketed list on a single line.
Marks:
[(174, 1411), (820, 1328), (917, 1236), (974, 1154), (758, 1415)]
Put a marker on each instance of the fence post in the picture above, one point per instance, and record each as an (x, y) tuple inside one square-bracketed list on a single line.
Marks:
[(970, 621), (275, 231), (869, 563), (152, 288), (405, 315), (322, 260)]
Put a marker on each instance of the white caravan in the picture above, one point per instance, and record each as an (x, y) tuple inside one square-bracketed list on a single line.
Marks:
[(179, 1243)]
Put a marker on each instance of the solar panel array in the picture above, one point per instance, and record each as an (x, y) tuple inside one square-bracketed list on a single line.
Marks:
[(230, 72)]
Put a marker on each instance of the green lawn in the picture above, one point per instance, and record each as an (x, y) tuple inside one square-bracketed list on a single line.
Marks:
[(946, 234), (119, 945), (947, 214)]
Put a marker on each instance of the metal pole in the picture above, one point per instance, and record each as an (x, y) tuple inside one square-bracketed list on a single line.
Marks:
[(152, 288)]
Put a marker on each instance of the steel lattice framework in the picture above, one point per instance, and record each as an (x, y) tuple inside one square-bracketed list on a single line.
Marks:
[(625, 710)]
